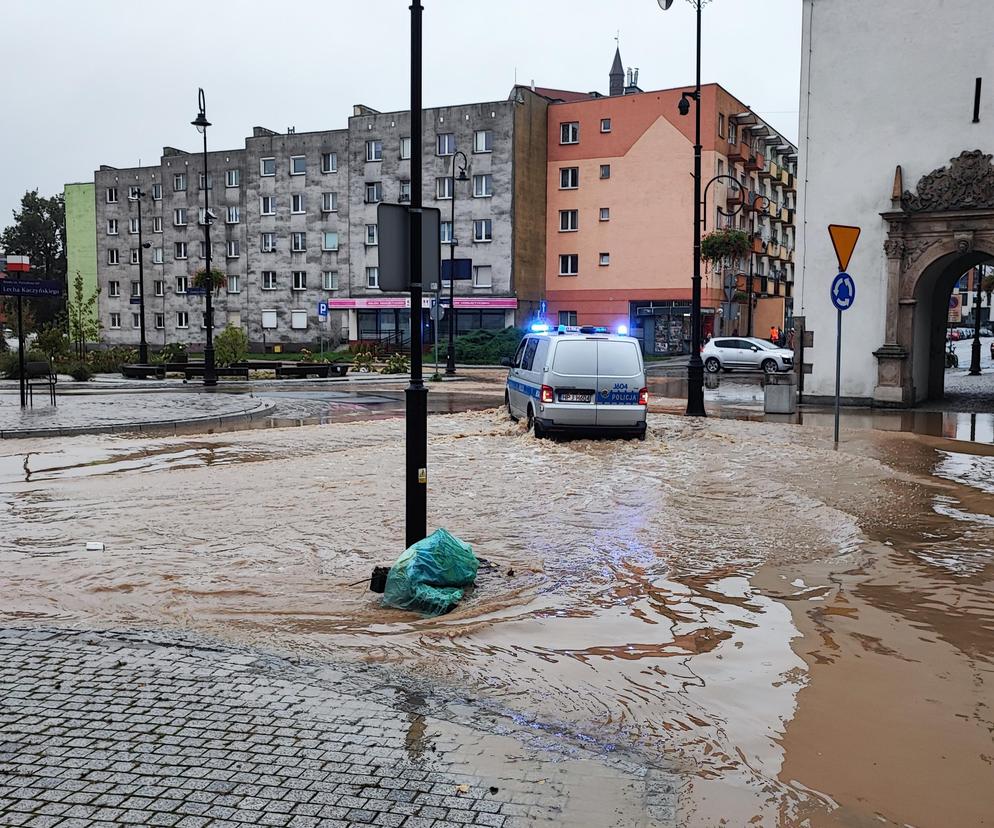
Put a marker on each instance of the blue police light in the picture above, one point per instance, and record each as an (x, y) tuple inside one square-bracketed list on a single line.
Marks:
[(539, 327), (622, 330)]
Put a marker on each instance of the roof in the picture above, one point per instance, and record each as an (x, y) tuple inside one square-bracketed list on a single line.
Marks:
[(561, 95)]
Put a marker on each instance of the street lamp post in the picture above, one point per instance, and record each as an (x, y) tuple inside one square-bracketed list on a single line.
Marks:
[(975, 355), (695, 367), (210, 375), (136, 197), (450, 355)]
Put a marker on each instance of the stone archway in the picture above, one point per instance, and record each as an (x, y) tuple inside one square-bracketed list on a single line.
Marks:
[(934, 235)]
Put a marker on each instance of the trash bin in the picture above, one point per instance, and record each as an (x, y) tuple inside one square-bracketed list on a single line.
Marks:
[(780, 393)]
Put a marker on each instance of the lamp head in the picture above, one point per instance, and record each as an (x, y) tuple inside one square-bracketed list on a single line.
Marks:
[(664, 4), (683, 106), (462, 175)]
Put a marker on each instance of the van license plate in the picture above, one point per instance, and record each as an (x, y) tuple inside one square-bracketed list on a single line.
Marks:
[(573, 397)]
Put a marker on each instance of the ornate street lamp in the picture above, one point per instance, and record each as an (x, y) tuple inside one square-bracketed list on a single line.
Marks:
[(450, 356), (210, 376)]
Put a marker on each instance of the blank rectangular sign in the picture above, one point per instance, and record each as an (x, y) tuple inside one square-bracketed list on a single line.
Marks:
[(394, 222)]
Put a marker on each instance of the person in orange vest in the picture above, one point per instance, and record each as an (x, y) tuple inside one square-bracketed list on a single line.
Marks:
[(774, 334)]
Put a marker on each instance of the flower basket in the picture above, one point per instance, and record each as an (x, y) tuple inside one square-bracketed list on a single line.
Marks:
[(725, 245), (214, 280)]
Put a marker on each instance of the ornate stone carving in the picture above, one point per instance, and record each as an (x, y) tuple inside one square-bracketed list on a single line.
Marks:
[(914, 251), (894, 248), (966, 184)]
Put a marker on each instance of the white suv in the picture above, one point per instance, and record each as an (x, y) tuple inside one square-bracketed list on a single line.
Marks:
[(749, 353)]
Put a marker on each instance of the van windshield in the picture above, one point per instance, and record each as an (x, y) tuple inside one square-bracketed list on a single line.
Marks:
[(618, 359), (576, 357)]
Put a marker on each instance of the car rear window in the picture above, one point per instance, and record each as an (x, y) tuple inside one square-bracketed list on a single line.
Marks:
[(575, 357), (618, 359)]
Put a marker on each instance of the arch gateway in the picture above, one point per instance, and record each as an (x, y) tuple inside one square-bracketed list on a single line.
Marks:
[(896, 136)]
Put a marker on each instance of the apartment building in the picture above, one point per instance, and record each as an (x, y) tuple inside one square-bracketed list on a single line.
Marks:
[(294, 226), (620, 207)]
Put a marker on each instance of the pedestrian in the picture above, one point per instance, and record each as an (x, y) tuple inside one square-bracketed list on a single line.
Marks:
[(735, 331), (774, 336), (790, 340), (782, 338)]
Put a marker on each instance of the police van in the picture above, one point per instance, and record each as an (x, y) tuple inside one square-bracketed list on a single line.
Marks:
[(578, 378)]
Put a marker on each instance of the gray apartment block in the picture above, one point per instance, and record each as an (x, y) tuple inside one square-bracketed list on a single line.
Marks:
[(295, 225)]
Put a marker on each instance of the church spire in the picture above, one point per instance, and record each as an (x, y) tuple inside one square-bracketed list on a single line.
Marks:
[(617, 75)]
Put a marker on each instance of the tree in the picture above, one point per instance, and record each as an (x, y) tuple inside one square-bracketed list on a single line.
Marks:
[(81, 311), (39, 231)]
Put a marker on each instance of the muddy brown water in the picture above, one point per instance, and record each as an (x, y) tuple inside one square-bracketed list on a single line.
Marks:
[(804, 635)]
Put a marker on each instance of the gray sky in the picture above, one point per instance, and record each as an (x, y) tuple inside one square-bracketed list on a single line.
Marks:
[(90, 82)]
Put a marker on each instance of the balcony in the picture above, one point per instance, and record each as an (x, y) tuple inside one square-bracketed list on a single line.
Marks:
[(757, 245), (738, 152), (771, 171), (735, 197), (755, 161)]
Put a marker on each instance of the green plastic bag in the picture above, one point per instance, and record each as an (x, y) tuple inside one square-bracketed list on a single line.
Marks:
[(428, 576)]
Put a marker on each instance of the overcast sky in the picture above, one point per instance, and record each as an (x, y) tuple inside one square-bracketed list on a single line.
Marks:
[(90, 82)]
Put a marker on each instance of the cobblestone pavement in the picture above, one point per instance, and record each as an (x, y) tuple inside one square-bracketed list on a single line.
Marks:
[(119, 728)]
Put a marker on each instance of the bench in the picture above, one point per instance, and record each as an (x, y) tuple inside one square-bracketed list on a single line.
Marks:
[(191, 371), (40, 373), (138, 371), (300, 370)]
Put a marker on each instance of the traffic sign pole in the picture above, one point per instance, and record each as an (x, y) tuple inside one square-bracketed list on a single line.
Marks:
[(843, 294), (838, 369)]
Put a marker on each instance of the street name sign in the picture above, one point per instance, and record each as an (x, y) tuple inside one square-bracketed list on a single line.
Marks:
[(844, 238), (24, 287)]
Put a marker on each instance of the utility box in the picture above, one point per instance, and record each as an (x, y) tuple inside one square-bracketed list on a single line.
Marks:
[(780, 393)]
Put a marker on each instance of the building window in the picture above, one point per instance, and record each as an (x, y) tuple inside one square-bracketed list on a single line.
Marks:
[(113, 289), (329, 280), (136, 288), (482, 276), (157, 255), (374, 150), (405, 148), (569, 132), (182, 319), (297, 203), (445, 232), (445, 143), (298, 320), (159, 287), (234, 249), (156, 224), (115, 320), (234, 215), (111, 227), (605, 259), (329, 239), (483, 140), (371, 240), (374, 192), (160, 321), (181, 284), (133, 225), (733, 133), (569, 220), (202, 217), (721, 167), (179, 250), (269, 320), (483, 186), (156, 192), (232, 178), (329, 162), (298, 242), (203, 250), (113, 257), (605, 170), (443, 188), (569, 264), (134, 255), (329, 202), (233, 284), (298, 164), (136, 320), (179, 182), (267, 206), (267, 242), (605, 213), (404, 193), (269, 281), (567, 317), (300, 280), (605, 124), (721, 125), (112, 195), (372, 277), (267, 167), (210, 181), (569, 178), (179, 216), (483, 230)]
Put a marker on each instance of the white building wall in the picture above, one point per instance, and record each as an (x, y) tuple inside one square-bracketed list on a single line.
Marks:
[(883, 83)]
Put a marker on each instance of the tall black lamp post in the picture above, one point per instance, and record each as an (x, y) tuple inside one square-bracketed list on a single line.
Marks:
[(975, 355), (695, 368), (136, 197), (450, 355), (210, 376)]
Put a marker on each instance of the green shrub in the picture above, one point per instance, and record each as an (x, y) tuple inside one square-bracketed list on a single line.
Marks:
[(173, 352), (54, 342), (110, 360), (230, 346), (396, 364), (10, 366), (362, 361), (80, 372), (484, 347)]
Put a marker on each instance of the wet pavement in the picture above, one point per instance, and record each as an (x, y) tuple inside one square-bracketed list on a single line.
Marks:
[(798, 635)]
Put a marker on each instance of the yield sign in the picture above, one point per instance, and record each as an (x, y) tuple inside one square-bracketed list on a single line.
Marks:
[(844, 241)]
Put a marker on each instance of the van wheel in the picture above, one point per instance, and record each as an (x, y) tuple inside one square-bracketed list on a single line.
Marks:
[(769, 366), (533, 425), (711, 365), (507, 402)]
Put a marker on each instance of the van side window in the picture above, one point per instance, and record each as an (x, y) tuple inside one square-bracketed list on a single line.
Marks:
[(529, 357), (516, 362)]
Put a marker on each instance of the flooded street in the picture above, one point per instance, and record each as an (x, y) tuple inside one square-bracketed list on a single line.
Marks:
[(804, 636)]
